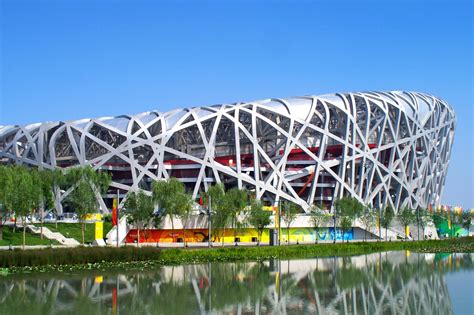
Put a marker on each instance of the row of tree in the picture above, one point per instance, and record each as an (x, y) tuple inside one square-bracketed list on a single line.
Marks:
[(234, 208), (27, 192)]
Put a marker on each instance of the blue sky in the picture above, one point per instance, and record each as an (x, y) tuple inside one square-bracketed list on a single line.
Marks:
[(64, 60)]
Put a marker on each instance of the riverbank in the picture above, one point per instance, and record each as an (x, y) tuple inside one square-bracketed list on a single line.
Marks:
[(80, 258)]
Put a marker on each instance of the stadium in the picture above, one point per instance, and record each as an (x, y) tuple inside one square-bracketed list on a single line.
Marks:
[(383, 148)]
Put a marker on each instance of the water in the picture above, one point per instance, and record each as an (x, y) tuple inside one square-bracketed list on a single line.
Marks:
[(384, 283)]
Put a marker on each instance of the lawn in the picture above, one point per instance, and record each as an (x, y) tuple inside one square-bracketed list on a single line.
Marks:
[(16, 238), (73, 230)]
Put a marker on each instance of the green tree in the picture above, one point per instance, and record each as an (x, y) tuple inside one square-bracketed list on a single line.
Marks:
[(387, 218), (347, 209), (23, 200), (48, 179), (258, 218), (221, 214), (86, 183), (368, 217), (184, 204), (7, 193), (236, 200), (422, 219), (167, 194), (289, 213), (405, 217), (466, 221), (139, 209), (318, 219)]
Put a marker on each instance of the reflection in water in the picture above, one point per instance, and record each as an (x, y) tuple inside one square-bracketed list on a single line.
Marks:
[(388, 283)]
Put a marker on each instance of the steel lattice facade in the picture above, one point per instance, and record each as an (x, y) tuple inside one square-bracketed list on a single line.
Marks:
[(380, 147)]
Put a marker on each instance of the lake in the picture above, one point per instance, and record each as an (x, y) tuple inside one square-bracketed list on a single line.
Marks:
[(385, 283)]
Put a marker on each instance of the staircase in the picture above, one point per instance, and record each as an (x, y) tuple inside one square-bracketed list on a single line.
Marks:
[(56, 236)]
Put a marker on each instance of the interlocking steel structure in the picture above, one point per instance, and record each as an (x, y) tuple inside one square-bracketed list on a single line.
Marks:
[(383, 148)]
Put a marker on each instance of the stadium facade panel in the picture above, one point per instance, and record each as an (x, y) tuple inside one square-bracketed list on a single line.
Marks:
[(383, 148)]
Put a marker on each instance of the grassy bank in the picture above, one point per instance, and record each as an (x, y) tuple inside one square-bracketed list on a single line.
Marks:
[(73, 230), (15, 238), (93, 257)]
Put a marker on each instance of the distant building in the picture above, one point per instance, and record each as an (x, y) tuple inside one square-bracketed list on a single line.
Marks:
[(384, 148)]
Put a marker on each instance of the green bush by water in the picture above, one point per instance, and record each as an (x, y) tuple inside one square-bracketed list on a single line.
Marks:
[(80, 256)]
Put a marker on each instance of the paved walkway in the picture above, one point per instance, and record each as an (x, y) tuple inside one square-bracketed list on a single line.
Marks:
[(47, 233)]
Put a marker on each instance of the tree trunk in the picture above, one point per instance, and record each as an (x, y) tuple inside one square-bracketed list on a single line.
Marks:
[(386, 234), (138, 236), (41, 220), (365, 234), (316, 236), (288, 233), (1, 231), (223, 237), (172, 228), (82, 231), (184, 233), (24, 233)]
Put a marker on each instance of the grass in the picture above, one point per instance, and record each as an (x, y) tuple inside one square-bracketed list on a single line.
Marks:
[(73, 230), (16, 238), (79, 258)]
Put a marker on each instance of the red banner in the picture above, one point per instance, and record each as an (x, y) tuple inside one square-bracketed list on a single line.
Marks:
[(114, 212)]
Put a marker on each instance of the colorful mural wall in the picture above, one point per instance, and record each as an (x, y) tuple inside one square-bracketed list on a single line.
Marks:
[(446, 228), (228, 236)]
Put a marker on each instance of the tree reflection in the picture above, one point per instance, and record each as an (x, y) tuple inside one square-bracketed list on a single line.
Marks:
[(389, 283)]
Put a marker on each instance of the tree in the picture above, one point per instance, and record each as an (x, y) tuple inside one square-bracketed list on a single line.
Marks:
[(387, 218), (318, 218), (258, 218), (236, 200), (221, 214), (48, 179), (24, 197), (139, 209), (87, 184), (406, 217), (423, 218), (7, 193), (347, 209), (168, 195), (289, 213), (466, 221), (367, 217), (184, 204)]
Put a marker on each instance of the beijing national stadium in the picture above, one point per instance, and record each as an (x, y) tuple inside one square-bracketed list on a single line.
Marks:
[(382, 148)]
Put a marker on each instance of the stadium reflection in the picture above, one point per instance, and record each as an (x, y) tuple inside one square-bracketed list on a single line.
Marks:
[(388, 283)]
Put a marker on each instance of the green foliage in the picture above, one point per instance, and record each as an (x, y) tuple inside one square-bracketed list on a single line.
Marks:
[(171, 197), (221, 214), (289, 212), (368, 218), (108, 257), (74, 230), (139, 209), (86, 183), (15, 238), (236, 200), (347, 210), (319, 217), (466, 220), (405, 217), (258, 218), (387, 217)]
